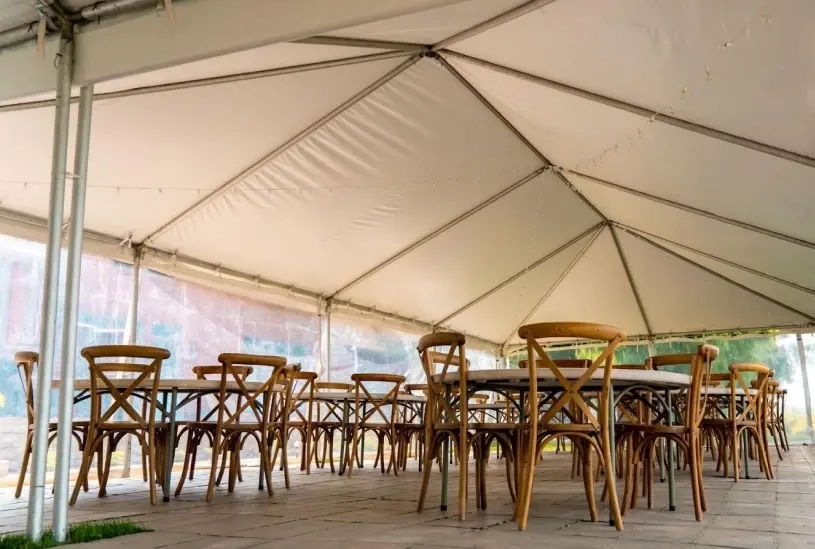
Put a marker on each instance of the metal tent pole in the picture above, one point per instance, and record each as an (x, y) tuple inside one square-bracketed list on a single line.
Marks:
[(805, 378), (132, 318), (34, 524), (328, 341), (66, 395)]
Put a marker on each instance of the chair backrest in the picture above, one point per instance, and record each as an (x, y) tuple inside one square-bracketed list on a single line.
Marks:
[(210, 372), (302, 395), (333, 386), (26, 363), (376, 404), (438, 407), (570, 395), (754, 395), (258, 402), (105, 362), (693, 405)]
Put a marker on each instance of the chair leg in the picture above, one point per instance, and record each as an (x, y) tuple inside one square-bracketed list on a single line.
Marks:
[(151, 464), (188, 456), (23, 466), (588, 478), (84, 468), (284, 458), (213, 471)]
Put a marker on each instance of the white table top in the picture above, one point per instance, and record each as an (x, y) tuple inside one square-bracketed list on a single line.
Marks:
[(182, 385), (620, 378), (338, 396)]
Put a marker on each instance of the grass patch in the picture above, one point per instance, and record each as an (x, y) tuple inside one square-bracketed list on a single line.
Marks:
[(77, 533)]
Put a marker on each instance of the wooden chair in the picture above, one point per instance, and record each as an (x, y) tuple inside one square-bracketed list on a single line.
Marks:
[(644, 430), (300, 420), (781, 406), (230, 429), (589, 432), (374, 418), (447, 417), (410, 427), (328, 422), (771, 417), (26, 366), (103, 424), (197, 436), (745, 411)]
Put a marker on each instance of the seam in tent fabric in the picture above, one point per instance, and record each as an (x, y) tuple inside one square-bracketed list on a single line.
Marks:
[(628, 274)]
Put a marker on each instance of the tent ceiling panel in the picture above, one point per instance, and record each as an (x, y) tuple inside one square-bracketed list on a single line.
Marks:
[(786, 294), (479, 253), (661, 160), (414, 154), (706, 62), (433, 25), (499, 313), (140, 177), (681, 291), (596, 289), (754, 250), (258, 59)]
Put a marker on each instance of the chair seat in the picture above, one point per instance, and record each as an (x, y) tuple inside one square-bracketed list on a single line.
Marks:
[(656, 429), (725, 422), (129, 426), (476, 426), (211, 426), (569, 427)]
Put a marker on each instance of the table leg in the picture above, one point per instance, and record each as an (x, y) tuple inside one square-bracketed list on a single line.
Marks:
[(343, 429), (445, 458), (611, 469), (170, 446), (670, 451)]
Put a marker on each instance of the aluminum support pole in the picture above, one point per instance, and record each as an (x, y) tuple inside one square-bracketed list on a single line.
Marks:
[(328, 341), (805, 378), (66, 393), (132, 319), (39, 453)]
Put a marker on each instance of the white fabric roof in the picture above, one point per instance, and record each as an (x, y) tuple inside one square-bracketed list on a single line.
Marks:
[(644, 164)]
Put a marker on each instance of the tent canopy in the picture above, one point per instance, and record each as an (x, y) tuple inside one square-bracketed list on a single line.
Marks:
[(475, 164)]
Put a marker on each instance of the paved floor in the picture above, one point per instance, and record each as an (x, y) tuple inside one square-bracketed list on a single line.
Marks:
[(371, 510)]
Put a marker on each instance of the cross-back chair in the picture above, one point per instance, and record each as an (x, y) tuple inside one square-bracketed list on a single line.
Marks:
[(301, 416), (328, 422), (104, 365), (26, 367), (587, 431), (447, 417), (378, 416), (745, 415), (643, 432), (410, 426), (233, 424), (196, 436)]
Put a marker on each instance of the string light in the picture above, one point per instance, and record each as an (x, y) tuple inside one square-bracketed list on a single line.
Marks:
[(680, 95)]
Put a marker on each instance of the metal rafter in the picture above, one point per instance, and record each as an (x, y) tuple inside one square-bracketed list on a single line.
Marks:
[(627, 269), (484, 26), (641, 111), (697, 211), (521, 273), (430, 236), (719, 275), (490, 107), (718, 259), (364, 43), (226, 187), (196, 83), (557, 282)]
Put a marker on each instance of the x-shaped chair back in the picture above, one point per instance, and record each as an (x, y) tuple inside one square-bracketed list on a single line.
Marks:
[(699, 368), (258, 403), (570, 393), (103, 370), (209, 372), (333, 410), (377, 404), (26, 363), (302, 395), (438, 407), (754, 393)]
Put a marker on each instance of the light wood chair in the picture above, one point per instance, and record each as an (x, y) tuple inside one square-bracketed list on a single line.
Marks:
[(745, 411), (644, 430), (447, 417), (328, 422), (410, 427), (590, 432), (378, 417), (302, 415), (196, 436), (251, 419), (26, 366), (103, 423)]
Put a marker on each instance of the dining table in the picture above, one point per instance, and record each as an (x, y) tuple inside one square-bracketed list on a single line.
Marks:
[(513, 383)]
